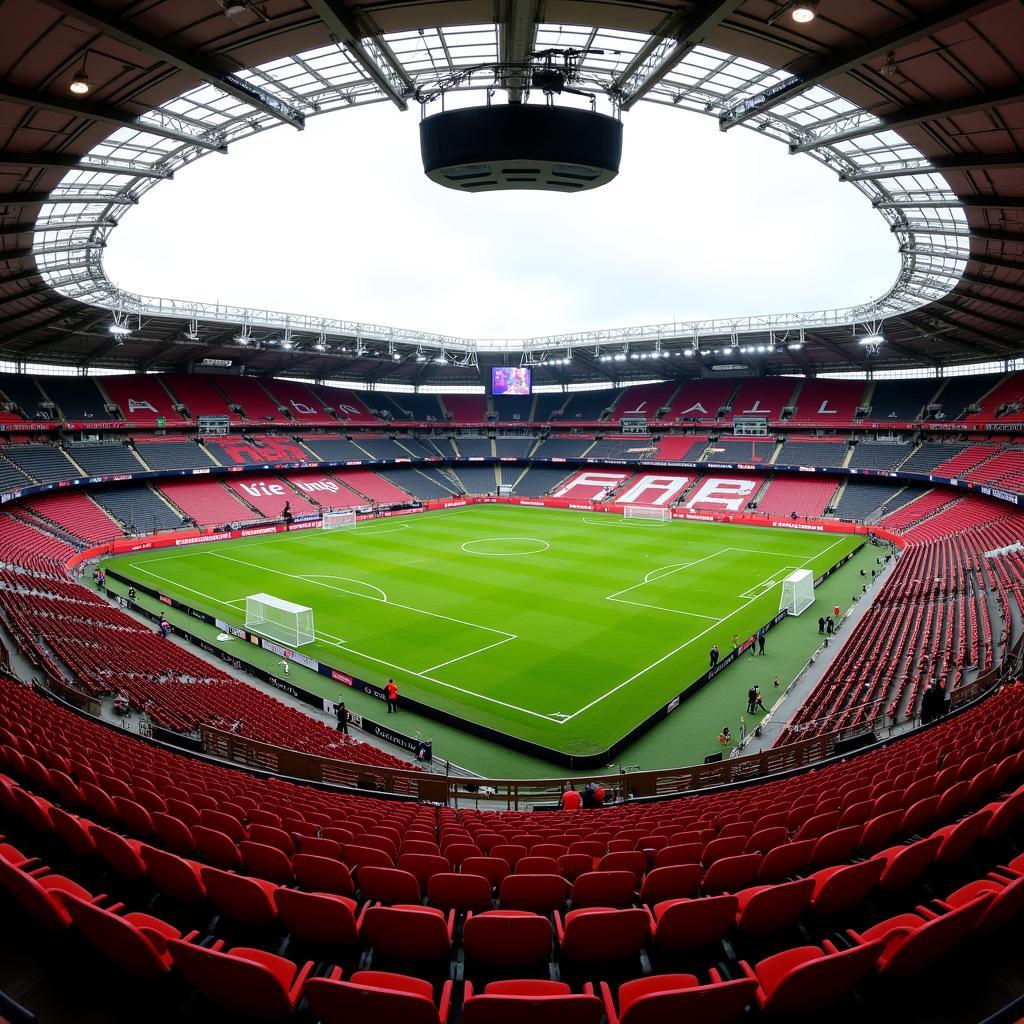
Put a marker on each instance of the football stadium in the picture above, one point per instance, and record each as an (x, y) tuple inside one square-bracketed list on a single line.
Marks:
[(602, 650)]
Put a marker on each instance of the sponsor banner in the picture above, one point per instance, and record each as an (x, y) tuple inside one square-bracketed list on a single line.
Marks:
[(341, 677), (422, 749), (286, 652)]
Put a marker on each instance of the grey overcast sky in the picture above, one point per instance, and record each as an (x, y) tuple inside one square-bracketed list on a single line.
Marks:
[(340, 221)]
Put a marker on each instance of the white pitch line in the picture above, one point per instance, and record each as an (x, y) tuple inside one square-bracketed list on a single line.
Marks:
[(391, 604), (658, 608), (333, 641), (451, 661), (767, 582), (351, 579), (683, 646), (678, 568)]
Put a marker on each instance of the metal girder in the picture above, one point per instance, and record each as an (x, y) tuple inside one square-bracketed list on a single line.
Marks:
[(915, 114), (35, 198), (946, 301), (14, 230), (968, 202), (1010, 307), (907, 168), (82, 164), (169, 127), (368, 49), (957, 325), (201, 67), (48, 250), (957, 254), (840, 63), (517, 30), (669, 44), (31, 275), (838, 350), (988, 282)]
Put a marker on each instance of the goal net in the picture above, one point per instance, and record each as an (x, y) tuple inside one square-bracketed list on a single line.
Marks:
[(653, 513), (272, 617), (797, 592), (339, 520)]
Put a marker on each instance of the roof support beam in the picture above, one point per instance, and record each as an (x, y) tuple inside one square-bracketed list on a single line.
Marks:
[(989, 282), (31, 275), (368, 49), (167, 126), (968, 202), (669, 44), (74, 163), (947, 301), (956, 254), (199, 67), (813, 74), (11, 255), (35, 198), (14, 230), (517, 30), (908, 168), (915, 114), (995, 345), (1010, 307)]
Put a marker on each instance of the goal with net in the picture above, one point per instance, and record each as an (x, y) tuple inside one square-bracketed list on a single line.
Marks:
[(652, 513), (797, 592), (339, 520), (272, 617)]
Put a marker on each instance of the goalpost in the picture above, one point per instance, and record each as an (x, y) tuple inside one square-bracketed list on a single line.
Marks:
[(797, 592), (272, 617), (338, 520), (652, 513)]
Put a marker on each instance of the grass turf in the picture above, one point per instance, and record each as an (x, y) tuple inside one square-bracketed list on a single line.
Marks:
[(563, 628)]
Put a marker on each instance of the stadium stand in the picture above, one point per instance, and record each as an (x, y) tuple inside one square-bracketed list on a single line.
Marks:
[(621, 446), (644, 401), (138, 508), (860, 500), (929, 455), (512, 408), (811, 453), (960, 393), (588, 405), (24, 393), (678, 448), (465, 408), (333, 448), (421, 482), (766, 397), (44, 463), (903, 400), (799, 496), (471, 447), (75, 513), (140, 397), (967, 459), (731, 492), (879, 454), (563, 447), (345, 404), (200, 395), (269, 494), (207, 502), (1005, 401), (257, 449), (418, 408), (739, 449), (11, 477), (476, 479), (925, 504), (821, 402), (700, 400), (297, 401), (1006, 469), (76, 398), (514, 447), (370, 485), (540, 480), (104, 459), (443, 447), (172, 453), (546, 406), (251, 400), (381, 448)]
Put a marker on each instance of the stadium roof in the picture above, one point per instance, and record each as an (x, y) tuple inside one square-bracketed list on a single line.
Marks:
[(920, 107)]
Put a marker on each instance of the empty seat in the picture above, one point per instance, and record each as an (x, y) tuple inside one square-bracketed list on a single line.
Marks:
[(600, 934), (539, 1001), (376, 995), (507, 938), (321, 918), (409, 931), (667, 998), (693, 924), (603, 889), (541, 894)]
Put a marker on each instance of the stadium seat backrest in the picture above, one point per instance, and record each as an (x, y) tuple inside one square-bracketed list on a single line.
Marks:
[(767, 909), (603, 889), (493, 1007), (408, 931), (322, 874), (507, 938), (539, 893), (462, 892), (372, 996), (174, 876), (730, 874), (266, 862), (140, 951), (679, 881), (842, 888), (494, 869), (788, 859), (693, 923), (249, 901), (388, 885), (320, 918), (602, 934), (670, 998)]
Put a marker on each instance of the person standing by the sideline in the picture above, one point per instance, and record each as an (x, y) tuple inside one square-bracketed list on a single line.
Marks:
[(760, 642), (391, 692), (342, 712)]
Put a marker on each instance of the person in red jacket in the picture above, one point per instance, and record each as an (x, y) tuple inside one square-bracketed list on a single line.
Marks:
[(391, 692), (571, 800)]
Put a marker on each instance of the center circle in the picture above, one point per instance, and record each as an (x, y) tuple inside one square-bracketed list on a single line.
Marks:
[(504, 547)]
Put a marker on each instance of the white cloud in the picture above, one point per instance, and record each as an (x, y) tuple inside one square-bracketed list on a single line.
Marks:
[(340, 221)]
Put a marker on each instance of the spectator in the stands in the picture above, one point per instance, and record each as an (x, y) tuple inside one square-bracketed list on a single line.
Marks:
[(342, 713), (571, 800)]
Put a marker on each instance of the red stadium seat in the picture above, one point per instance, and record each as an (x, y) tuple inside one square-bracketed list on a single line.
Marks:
[(539, 1001), (600, 934), (376, 995), (507, 938), (668, 998), (686, 924)]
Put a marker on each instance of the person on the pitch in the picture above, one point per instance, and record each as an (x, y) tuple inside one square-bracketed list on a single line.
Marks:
[(391, 692), (713, 655), (760, 642)]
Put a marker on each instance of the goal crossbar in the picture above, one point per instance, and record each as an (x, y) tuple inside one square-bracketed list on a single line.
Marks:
[(797, 592), (280, 620), (651, 513), (339, 520)]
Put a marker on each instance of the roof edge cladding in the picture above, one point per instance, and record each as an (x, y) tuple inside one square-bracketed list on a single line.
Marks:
[(905, 188)]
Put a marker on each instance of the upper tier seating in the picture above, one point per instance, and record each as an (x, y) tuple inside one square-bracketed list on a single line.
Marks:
[(879, 454), (930, 455), (805, 497), (514, 447), (25, 394), (422, 482), (699, 400), (1005, 401), (547, 406), (765, 397), (1005, 469), (77, 398), (512, 408), (811, 453), (249, 395), (199, 394), (172, 453), (268, 495), (206, 501), (257, 450), (418, 408), (76, 513), (472, 447), (563, 447), (465, 408), (621, 446), (678, 448), (737, 449), (587, 405), (644, 401), (45, 463), (966, 459), (902, 400), (961, 392), (138, 507), (11, 477), (105, 459), (822, 402), (141, 397), (347, 405), (296, 399)]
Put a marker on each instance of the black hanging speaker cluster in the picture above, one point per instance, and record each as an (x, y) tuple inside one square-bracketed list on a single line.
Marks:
[(521, 146)]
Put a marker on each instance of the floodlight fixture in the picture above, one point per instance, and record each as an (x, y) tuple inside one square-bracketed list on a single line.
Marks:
[(804, 12), (80, 84)]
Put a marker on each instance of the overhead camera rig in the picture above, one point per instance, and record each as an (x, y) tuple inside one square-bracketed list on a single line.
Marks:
[(518, 145)]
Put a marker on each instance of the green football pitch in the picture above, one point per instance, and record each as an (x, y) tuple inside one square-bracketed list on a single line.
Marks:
[(565, 629)]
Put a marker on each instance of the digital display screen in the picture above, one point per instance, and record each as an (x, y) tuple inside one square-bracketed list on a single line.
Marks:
[(510, 380)]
